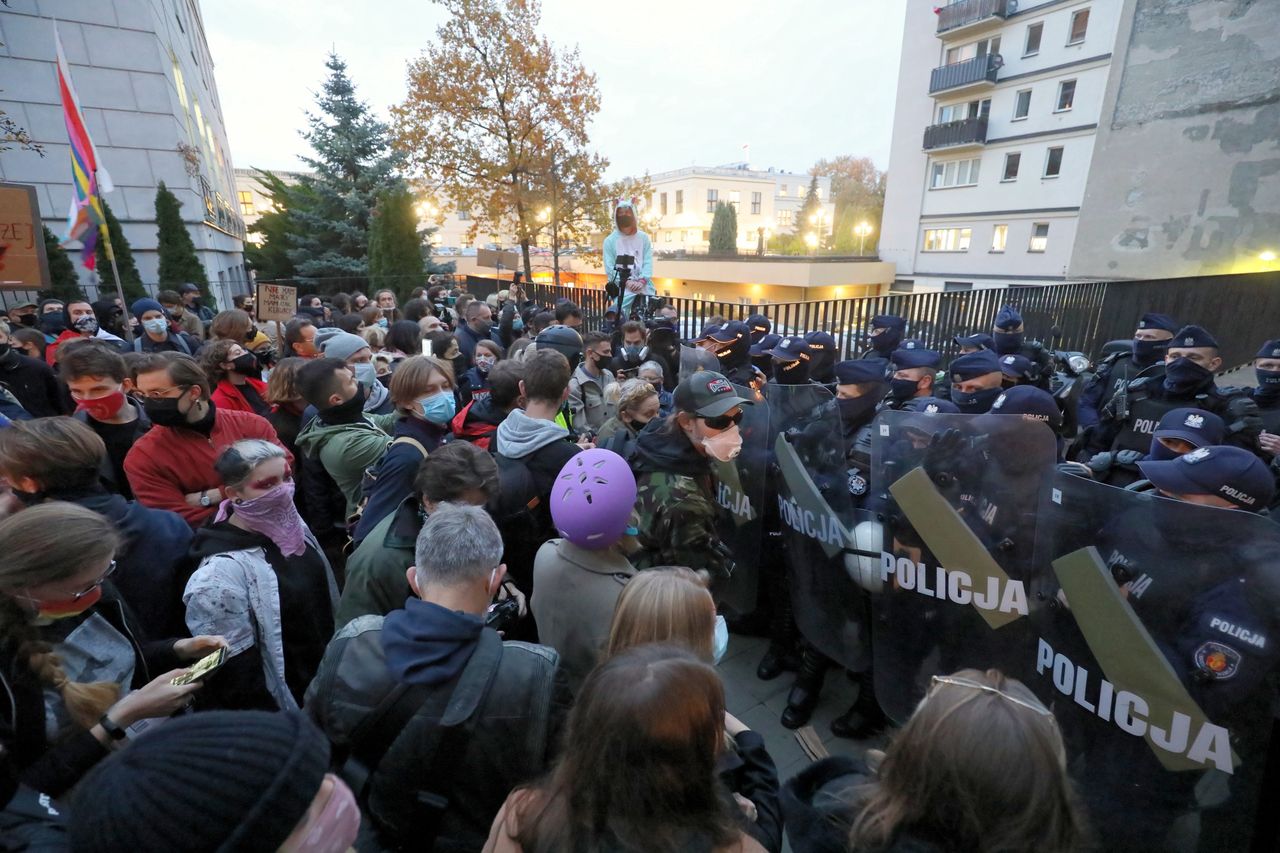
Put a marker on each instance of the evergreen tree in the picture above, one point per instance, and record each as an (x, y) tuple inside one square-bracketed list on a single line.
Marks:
[(130, 279), (62, 271), (811, 206), (724, 229), (269, 256), (178, 261), (352, 164), (395, 246)]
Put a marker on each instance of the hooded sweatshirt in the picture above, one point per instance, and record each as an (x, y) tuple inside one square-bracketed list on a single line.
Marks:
[(540, 445), (428, 644)]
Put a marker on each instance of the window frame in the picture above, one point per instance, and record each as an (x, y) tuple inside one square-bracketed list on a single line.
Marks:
[(963, 240), (756, 201), (1038, 26), (1017, 101), (951, 168), (713, 198), (679, 201), (1048, 159), (1017, 159), (1062, 88), (1031, 243), (1072, 40), (1001, 228), (662, 203)]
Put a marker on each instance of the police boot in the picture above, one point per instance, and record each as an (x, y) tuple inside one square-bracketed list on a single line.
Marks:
[(807, 690), (865, 717), (783, 634)]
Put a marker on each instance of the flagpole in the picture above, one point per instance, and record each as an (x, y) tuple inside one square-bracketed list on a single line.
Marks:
[(115, 271)]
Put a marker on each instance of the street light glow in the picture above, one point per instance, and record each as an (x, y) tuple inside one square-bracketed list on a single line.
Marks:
[(811, 240), (1267, 256)]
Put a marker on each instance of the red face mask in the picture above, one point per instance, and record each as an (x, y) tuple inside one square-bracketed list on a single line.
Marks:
[(102, 408), (69, 606)]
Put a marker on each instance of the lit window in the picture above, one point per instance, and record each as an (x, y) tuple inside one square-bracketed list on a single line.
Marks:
[(180, 83), (1079, 26), (1039, 237), (1053, 162), (784, 218), (1022, 104), (1033, 39), (755, 203), (246, 202), (1011, 162), (956, 173), (999, 237), (1066, 95), (947, 239), (667, 237), (735, 198)]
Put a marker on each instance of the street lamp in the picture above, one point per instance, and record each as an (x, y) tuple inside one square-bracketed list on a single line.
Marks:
[(861, 230), (811, 240), (426, 210), (818, 220), (763, 234)]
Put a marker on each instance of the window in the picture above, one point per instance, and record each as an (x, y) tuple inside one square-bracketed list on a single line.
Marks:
[(784, 218), (1034, 31), (463, 214), (953, 286), (706, 236), (662, 203), (1079, 26), (783, 191), (1053, 162), (735, 198), (965, 52), (959, 112), (1021, 104), (955, 173), (999, 237), (1012, 161), (679, 201), (1039, 237), (1066, 96), (755, 203), (947, 239), (246, 202), (668, 236), (713, 196)]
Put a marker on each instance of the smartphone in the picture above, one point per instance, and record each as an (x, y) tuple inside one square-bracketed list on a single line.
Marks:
[(202, 668), (426, 347)]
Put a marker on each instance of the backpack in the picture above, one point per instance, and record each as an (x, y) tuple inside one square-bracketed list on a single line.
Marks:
[(366, 486), (182, 345), (523, 519)]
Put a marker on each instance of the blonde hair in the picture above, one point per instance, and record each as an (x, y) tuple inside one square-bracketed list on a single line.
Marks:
[(409, 381), (670, 604), (281, 387), (33, 557), (633, 394), (375, 336)]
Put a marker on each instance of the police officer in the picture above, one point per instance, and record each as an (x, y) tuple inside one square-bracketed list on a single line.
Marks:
[(1145, 357), (1009, 339), (822, 357), (791, 362), (760, 358), (887, 331), (1129, 420), (760, 326), (1017, 370), (973, 343), (1034, 404), (1266, 367), (915, 370), (1179, 431), (732, 346), (976, 381)]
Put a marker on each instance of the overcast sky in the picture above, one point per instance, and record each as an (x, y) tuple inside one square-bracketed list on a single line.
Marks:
[(681, 81)]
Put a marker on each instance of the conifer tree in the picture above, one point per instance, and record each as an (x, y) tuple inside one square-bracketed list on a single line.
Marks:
[(178, 261), (724, 229), (130, 279), (395, 246), (62, 271)]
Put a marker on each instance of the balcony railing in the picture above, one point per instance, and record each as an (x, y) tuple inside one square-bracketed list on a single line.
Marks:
[(980, 69), (966, 131), (966, 12)]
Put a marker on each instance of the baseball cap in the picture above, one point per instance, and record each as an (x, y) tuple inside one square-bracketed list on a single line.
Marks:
[(856, 370), (189, 288), (708, 394), (974, 364), (1196, 426), (768, 342), (913, 354), (1226, 472), (1270, 349), (707, 331), (821, 341), (729, 332), (790, 349), (1193, 336), (981, 339), (28, 304), (1029, 401), (759, 324), (931, 406), (1017, 366), (1151, 320)]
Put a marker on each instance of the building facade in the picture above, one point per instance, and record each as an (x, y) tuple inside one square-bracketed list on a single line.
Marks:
[(1037, 141), (678, 211), (144, 75), (252, 200)]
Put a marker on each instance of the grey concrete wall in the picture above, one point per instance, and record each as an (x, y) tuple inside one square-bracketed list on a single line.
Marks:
[(1186, 172)]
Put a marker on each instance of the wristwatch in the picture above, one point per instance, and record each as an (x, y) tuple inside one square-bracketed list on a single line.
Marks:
[(111, 727), (205, 500)]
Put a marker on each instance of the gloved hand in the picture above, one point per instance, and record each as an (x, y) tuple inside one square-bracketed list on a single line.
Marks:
[(1130, 457), (944, 459), (1076, 469), (1101, 463), (1242, 416)]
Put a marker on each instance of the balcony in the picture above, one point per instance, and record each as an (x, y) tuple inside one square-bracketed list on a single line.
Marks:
[(969, 17), (965, 133), (970, 75)]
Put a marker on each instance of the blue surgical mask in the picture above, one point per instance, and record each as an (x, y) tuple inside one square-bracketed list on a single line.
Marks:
[(720, 642), (158, 326), (518, 324), (439, 408), (366, 374), (382, 322)]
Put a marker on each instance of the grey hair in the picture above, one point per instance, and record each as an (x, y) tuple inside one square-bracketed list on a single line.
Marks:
[(459, 544), (653, 365), (236, 463)]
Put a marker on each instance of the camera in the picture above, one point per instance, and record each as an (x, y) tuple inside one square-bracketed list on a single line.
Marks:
[(502, 615)]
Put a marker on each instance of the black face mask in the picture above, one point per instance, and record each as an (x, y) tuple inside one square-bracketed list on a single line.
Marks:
[(165, 412), (904, 389), (1184, 376), (975, 402), (246, 365), (857, 411), (27, 320), (887, 341), (53, 323), (1147, 353), (791, 372), (348, 410), (5, 351), (1007, 343)]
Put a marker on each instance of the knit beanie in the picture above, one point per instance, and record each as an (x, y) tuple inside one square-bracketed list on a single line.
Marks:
[(211, 781), (343, 345), (144, 305)]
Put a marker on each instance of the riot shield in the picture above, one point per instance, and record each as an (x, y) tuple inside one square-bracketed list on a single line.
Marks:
[(739, 490), (831, 549), (693, 359), (1158, 656), (958, 576)]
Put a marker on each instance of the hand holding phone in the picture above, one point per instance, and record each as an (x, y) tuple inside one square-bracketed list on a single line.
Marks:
[(202, 668)]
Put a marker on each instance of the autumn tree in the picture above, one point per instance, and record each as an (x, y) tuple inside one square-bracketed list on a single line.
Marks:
[(857, 189), (496, 117)]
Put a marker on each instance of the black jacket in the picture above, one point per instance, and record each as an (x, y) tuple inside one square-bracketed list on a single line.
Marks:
[(34, 384), (108, 470), (750, 772)]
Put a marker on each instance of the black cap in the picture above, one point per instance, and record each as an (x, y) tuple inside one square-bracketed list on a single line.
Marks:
[(766, 343), (708, 394), (1226, 472), (971, 365), (1031, 402), (1008, 317), (1152, 320), (823, 341), (1270, 349), (857, 370), (760, 323), (791, 349), (1191, 337), (980, 340), (729, 332)]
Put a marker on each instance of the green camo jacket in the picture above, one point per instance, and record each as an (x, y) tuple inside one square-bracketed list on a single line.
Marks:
[(676, 519)]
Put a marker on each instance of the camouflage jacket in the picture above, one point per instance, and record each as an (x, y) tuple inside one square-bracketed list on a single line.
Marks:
[(675, 515)]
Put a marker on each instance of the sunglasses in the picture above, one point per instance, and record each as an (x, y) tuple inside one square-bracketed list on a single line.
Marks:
[(987, 688), (724, 421)]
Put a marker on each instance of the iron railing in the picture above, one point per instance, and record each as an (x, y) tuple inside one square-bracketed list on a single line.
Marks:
[(986, 67), (956, 15), (966, 131)]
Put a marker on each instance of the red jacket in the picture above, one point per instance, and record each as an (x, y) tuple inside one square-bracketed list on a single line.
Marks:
[(167, 464), (227, 396)]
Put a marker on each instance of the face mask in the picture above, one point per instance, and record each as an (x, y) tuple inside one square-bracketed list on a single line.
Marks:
[(5, 349), (157, 326), (246, 365), (27, 320), (69, 607), (53, 323), (1007, 342), (102, 408), (87, 325), (460, 364), (887, 341), (439, 408), (272, 514), (1160, 453), (720, 639), (1268, 380), (977, 402), (518, 324), (165, 412), (903, 390), (484, 363), (854, 410), (348, 408), (481, 327), (335, 826), (366, 374), (724, 446), (382, 322), (1182, 376), (1147, 353)]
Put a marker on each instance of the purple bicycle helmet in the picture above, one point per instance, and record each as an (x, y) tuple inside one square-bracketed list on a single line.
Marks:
[(592, 499)]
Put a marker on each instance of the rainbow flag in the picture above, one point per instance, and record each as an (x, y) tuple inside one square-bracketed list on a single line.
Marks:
[(85, 220)]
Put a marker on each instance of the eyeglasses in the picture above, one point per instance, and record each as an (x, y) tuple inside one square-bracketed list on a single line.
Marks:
[(161, 393), (987, 688), (111, 570), (724, 421)]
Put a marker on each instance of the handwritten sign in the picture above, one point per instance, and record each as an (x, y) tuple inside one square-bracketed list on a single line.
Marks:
[(23, 265), (277, 302)]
